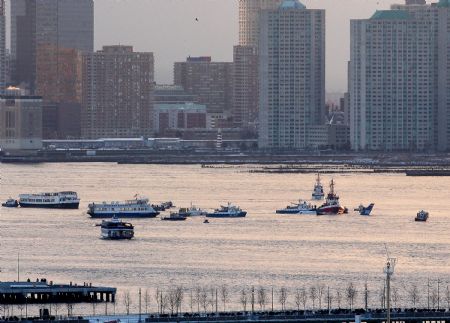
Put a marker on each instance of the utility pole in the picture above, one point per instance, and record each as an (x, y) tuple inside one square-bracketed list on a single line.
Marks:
[(438, 295), (272, 298), (253, 299), (217, 311), (140, 304), (389, 271), (329, 300)]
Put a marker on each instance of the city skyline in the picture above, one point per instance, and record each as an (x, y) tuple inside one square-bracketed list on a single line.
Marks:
[(216, 17)]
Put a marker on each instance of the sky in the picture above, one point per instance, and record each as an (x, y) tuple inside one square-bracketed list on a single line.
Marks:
[(168, 29)]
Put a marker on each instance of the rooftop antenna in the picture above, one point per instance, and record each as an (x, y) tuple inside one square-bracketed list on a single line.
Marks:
[(389, 271)]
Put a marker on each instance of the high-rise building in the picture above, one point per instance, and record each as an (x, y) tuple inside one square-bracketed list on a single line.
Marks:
[(249, 13), (245, 87), (291, 74), (3, 61), (40, 29), (399, 80), (117, 93), (211, 82)]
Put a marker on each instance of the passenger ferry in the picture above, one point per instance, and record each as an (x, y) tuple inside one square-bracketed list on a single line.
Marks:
[(139, 207), (318, 193), (115, 229), (58, 200), (299, 208), (331, 205), (228, 211)]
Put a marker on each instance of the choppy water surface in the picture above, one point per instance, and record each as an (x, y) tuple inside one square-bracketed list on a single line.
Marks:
[(263, 249)]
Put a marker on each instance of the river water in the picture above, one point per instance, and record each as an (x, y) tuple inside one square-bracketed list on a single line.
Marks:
[(263, 249)]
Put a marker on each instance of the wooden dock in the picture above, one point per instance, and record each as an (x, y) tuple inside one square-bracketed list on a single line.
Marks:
[(43, 292)]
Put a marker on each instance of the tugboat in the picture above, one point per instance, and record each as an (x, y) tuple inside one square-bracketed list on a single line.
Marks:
[(58, 200), (318, 190), (299, 208), (365, 210), (10, 203), (139, 207), (331, 205), (115, 229), (192, 211), (228, 211), (422, 216), (174, 217)]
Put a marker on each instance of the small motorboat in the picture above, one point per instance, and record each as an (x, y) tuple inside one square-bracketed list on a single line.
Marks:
[(10, 203), (206, 221), (174, 217), (422, 216), (365, 210)]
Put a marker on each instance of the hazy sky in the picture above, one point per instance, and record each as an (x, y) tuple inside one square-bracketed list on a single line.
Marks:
[(168, 28)]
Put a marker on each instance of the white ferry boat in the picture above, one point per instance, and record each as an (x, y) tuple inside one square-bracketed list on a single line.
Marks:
[(228, 211), (318, 193), (58, 200), (115, 229), (299, 208), (139, 207)]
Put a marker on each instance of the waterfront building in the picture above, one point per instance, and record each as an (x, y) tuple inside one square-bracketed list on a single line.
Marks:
[(20, 120), (179, 116), (291, 75), (117, 93), (399, 81), (211, 82), (245, 87)]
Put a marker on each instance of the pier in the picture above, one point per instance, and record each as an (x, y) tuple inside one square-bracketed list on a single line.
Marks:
[(43, 292)]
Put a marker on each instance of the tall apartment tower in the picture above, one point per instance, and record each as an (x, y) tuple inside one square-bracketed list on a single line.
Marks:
[(117, 93), (245, 87), (3, 61), (249, 13), (211, 82), (39, 29), (291, 74), (399, 80)]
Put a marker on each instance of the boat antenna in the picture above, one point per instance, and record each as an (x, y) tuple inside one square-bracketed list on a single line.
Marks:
[(389, 271)]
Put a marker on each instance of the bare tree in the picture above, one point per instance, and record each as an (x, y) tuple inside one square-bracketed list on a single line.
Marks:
[(204, 299), (366, 295), (313, 295), (282, 297), (447, 297), (179, 296), (262, 298), (146, 300), (298, 299), (304, 297), (164, 302), (21, 307), (329, 300), (212, 299), (224, 296), (198, 297), (382, 296), (395, 296), (413, 294), (339, 297), (252, 298), (172, 300), (320, 290), (126, 299), (244, 299), (350, 294), (434, 298), (158, 299)]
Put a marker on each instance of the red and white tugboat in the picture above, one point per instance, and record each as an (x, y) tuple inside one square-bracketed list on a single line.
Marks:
[(331, 205)]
